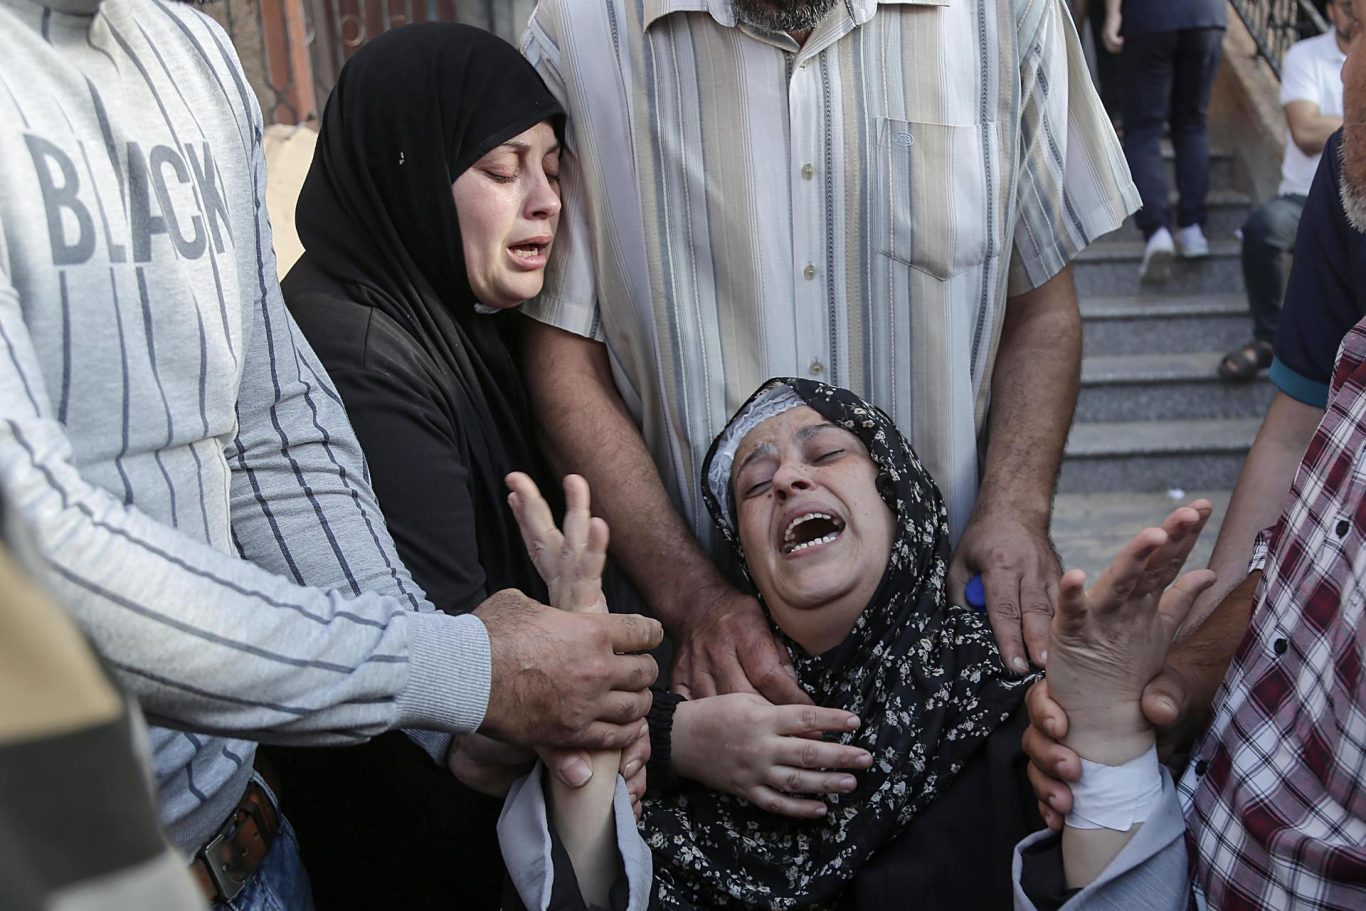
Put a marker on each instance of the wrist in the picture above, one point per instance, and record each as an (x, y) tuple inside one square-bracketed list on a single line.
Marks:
[(680, 740), (1112, 747)]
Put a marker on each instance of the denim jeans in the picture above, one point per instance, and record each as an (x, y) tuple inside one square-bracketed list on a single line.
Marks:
[(1168, 77), (280, 883), (1268, 234)]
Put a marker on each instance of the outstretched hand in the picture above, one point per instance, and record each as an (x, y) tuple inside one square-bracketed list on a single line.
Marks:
[(1108, 645), (565, 678), (571, 561)]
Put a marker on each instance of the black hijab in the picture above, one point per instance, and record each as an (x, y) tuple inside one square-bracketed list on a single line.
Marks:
[(410, 112), (925, 678)]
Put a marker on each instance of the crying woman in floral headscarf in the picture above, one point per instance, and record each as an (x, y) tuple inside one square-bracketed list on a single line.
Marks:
[(905, 784)]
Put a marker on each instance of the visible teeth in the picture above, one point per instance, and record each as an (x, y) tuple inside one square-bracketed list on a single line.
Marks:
[(787, 535), (527, 251), (825, 540)]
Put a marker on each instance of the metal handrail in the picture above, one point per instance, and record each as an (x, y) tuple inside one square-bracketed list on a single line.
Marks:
[(1277, 24)]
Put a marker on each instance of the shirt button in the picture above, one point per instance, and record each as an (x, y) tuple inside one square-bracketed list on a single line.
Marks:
[(816, 368), (808, 171), (1280, 646), (1201, 767), (1343, 527), (809, 272)]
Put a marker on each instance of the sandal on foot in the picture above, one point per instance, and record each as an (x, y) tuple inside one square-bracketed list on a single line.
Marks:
[(1242, 364)]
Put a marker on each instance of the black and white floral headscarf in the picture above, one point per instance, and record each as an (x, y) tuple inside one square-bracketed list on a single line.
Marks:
[(924, 676)]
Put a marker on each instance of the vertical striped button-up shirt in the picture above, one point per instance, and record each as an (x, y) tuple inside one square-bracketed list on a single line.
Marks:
[(855, 209), (1274, 799)]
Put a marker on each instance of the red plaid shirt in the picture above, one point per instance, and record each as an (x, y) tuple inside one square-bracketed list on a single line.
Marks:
[(1275, 795)]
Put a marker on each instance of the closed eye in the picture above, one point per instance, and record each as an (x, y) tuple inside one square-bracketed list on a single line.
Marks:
[(828, 456)]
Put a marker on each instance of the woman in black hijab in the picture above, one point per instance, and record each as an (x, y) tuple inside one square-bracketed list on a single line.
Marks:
[(430, 205), (845, 539)]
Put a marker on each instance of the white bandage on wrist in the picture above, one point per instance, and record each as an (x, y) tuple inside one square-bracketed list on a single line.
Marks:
[(1116, 796)]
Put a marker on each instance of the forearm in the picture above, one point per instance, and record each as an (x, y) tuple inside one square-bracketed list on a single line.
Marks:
[(1203, 657), (585, 820), (1259, 495), (589, 431), (1310, 132), (1033, 397)]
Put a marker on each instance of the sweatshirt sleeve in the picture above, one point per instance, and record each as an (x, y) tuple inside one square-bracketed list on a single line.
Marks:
[(206, 640), (1150, 872)]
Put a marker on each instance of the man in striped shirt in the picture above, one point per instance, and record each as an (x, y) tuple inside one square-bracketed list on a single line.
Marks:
[(881, 194), (184, 464)]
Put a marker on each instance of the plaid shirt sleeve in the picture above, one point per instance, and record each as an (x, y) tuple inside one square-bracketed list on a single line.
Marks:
[(1274, 800)]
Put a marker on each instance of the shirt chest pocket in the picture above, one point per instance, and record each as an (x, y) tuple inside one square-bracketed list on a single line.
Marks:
[(936, 205)]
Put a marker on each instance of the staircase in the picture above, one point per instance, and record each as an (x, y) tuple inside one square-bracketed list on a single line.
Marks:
[(1152, 415)]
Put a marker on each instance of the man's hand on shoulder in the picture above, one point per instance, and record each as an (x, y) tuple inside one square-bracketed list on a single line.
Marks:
[(728, 646), (566, 679), (1020, 572)]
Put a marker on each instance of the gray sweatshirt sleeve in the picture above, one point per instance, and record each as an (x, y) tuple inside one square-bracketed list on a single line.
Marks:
[(206, 640), (1150, 873)]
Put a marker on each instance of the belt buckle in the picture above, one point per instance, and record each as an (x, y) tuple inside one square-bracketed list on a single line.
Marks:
[(228, 887)]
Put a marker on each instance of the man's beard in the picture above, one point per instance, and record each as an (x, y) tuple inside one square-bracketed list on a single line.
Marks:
[(1352, 181), (782, 15)]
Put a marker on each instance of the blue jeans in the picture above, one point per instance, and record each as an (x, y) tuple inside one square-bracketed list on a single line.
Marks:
[(1168, 77), (281, 882), (1268, 234)]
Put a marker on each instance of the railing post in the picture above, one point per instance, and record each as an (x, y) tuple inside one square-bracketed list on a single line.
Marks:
[(284, 27)]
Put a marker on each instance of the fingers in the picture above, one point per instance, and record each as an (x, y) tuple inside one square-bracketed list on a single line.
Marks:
[(583, 553), (623, 707), (633, 673), (1118, 581), (791, 780), (1052, 759), (1178, 600), (1036, 614), (1044, 713), (1002, 590), (1055, 798), (601, 735), (632, 633), (959, 574), (772, 676), (813, 719), (797, 752), (1071, 607), (536, 523), (773, 801), (635, 756)]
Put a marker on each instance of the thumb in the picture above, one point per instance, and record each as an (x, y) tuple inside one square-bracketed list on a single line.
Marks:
[(570, 766), (1165, 698)]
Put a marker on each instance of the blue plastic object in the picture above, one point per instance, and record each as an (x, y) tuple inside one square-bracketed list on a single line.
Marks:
[(976, 595)]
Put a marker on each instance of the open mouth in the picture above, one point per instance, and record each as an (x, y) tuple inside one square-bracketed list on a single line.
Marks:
[(528, 250), (810, 530)]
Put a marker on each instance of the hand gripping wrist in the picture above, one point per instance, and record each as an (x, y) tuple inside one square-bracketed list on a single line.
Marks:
[(1116, 797)]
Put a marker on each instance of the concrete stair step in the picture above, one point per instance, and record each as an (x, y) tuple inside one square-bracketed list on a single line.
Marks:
[(1165, 387), (1112, 269), (1090, 528), (1225, 212), (1155, 455), (1156, 325)]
